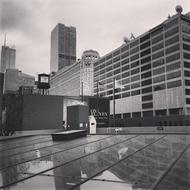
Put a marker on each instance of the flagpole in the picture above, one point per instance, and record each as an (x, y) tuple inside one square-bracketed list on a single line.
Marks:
[(97, 103), (114, 102)]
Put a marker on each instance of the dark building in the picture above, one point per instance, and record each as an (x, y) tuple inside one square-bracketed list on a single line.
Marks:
[(63, 47), (8, 58)]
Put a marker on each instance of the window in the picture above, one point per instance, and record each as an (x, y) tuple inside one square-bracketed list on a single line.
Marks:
[(116, 59), (186, 55), (172, 40), (157, 39), (186, 64), (147, 113), (135, 92), (124, 55), (186, 47), (109, 68), (175, 111), (158, 62), (173, 66), (146, 90), (158, 46), (145, 60), (126, 74), (146, 67), (157, 55), (134, 43), (134, 50), (146, 82), (124, 48), (156, 31), (159, 79), (145, 45), (186, 29), (187, 82), (173, 75), (135, 85), (134, 71), (145, 75), (136, 114), (116, 65), (186, 38), (126, 94), (159, 87), (160, 112), (136, 56), (171, 32), (147, 105), (159, 71), (147, 97), (126, 115), (146, 52), (116, 71), (125, 61), (135, 64), (172, 57), (187, 91), (144, 38), (135, 78), (187, 73), (125, 81), (116, 53), (174, 84), (187, 100), (172, 49), (108, 56), (126, 67)]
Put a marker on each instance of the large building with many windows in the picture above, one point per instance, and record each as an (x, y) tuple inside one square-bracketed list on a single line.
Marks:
[(8, 58), (76, 79), (63, 47), (154, 69)]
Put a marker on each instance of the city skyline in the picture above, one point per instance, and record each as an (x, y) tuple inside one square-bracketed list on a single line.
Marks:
[(101, 27)]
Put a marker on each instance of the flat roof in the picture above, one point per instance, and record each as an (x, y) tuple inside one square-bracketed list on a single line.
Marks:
[(122, 162)]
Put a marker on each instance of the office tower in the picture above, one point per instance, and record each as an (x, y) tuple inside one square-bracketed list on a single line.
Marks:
[(63, 47), (76, 79), (15, 80), (8, 57), (154, 69)]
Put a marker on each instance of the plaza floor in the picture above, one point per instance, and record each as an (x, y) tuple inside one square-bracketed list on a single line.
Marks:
[(96, 162)]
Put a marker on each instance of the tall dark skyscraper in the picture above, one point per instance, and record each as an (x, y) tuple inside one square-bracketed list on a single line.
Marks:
[(63, 47), (8, 57)]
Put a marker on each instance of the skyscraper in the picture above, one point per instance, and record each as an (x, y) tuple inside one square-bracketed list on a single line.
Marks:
[(63, 47), (8, 57)]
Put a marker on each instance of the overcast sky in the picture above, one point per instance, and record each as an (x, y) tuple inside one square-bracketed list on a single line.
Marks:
[(101, 25)]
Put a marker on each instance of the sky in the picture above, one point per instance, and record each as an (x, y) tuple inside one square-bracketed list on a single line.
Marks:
[(101, 25)]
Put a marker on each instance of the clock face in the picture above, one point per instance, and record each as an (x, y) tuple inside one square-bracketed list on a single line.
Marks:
[(44, 79)]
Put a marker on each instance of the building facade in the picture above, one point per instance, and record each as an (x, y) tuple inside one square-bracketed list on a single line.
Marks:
[(63, 47), (154, 69), (15, 80), (77, 79), (8, 58)]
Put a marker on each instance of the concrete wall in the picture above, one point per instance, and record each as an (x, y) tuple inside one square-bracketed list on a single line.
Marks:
[(42, 112)]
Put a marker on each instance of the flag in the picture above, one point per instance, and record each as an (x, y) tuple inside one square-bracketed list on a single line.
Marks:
[(118, 85), (101, 85)]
